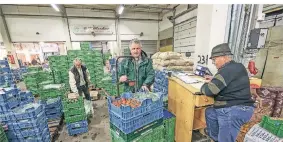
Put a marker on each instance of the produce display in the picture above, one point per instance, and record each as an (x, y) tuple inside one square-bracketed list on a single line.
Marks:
[(133, 103), (171, 61)]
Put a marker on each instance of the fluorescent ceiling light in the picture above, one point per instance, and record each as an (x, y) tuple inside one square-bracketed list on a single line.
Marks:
[(121, 9), (55, 7), (41, 43)]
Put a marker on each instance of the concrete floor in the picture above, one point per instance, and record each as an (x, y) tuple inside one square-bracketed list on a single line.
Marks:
[(98, 127)]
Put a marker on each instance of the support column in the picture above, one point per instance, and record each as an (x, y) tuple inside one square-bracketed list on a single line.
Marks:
[(7, 39), (66, 27), (211, 27)]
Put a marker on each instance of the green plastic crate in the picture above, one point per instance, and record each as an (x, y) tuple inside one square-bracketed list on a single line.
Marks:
[(75, 118), (280, 132), (138, 132), (69, 104), (272, 126), (169, 129), (3, 137), (73, 112), (151, 135)]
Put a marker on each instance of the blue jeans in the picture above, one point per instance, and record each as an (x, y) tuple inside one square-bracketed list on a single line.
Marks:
[(224, 124)]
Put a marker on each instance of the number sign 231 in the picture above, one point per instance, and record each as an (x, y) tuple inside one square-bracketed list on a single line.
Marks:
[(203, 59)]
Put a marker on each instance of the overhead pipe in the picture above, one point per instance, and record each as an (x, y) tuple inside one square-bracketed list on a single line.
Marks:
[(149, 7), (186, 11), (72, 17)]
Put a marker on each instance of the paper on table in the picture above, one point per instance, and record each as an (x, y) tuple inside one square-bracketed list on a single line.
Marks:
[(197, 85)]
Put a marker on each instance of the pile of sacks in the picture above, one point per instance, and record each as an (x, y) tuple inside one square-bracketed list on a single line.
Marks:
[(171, 61), (269, 102)]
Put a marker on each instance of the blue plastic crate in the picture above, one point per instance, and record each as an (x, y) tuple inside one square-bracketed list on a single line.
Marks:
[(18, 136), (5, 70), (4, 62), (26, 94), (54, 116), (27, 123), (167, 114), (31, 131), (8, 93), (80, 124), (27, 101), (126, 112), (12, 103), (128, 126), (77, 131), (32, 139), (56, 102), (27, 111), (53, 111)]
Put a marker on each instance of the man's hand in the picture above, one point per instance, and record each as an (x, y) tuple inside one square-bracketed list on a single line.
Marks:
[(123, 78), (208, 78)]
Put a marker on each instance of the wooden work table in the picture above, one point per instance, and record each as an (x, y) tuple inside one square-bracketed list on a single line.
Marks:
[(188, 108)]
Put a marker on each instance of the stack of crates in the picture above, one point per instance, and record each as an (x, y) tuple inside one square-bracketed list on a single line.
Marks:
[(75, 116), (169, 121), (72, 54), (85, 46), (26, 97), (60, 67), (140, 124), (27, 123), (44, 76), (161, 85), (53, 108), (99, 71), (3, 137), (9, 99), (52, 91), (4, 66), (6, 77), (34, 69), (31, 81)]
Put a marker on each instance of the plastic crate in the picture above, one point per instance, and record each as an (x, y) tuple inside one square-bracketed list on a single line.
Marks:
[(70, 104), (25, 135), (3, 137), (77, 131), (27, 123), (271, 125), (27, 111), (54, 116), (130, 125), (10, 105), (75, 118), (169, 125), (151, 135), (280, 132), (46, 138), (76, 125), (126, 112), (12, 136), (72, 112), (138, 132), (31, 131), (8, 93)]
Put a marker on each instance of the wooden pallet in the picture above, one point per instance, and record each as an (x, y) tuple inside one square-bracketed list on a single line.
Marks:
[(54, 127)]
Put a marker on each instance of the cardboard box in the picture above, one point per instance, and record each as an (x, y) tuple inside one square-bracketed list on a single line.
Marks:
[(255, 82)]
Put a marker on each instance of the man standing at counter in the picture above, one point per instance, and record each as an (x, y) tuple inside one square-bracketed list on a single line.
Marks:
[(230, 88)]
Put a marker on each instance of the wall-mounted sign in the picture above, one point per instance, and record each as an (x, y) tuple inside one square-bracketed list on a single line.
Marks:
[(91, 29), (50, 47)]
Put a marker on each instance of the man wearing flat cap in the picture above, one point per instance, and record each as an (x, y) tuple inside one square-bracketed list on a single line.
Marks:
[(230, 88)]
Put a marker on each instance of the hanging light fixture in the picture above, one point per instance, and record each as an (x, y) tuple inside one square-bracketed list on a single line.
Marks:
[(121, 9), (55, 7)]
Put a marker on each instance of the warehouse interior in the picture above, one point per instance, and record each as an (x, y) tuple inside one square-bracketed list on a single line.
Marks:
[(40, 44)]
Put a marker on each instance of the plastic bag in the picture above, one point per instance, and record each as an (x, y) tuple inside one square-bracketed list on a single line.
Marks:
[(88, 108)]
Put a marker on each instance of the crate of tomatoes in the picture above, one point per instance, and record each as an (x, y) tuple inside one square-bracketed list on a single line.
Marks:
[(134, 110)]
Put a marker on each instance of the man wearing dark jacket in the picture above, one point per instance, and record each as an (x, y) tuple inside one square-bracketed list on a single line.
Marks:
[(79, 79), (143, 67), (230, 88)]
